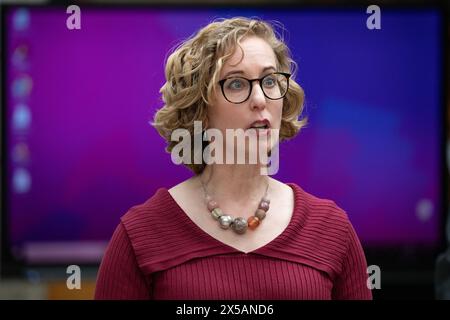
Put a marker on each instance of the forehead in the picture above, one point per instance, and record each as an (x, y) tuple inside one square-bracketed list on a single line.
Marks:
[(256, 55)]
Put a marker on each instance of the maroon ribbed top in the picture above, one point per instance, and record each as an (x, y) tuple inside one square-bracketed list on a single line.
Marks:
[(158, 252)]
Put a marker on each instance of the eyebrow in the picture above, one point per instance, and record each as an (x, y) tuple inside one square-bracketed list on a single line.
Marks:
[(242, 72)]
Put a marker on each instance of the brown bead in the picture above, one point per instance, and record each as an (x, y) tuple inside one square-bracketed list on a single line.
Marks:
[(253, 222), (264, 205), (212, 204), (260, 214), (239, 225)]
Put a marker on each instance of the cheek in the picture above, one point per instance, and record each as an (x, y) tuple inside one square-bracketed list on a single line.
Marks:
[(276, 112), (223, 115)]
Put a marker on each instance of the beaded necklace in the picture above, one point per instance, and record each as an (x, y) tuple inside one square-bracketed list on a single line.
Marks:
[(238, 224)]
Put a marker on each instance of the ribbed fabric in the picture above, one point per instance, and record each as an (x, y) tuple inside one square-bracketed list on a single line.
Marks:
[(158, 252)]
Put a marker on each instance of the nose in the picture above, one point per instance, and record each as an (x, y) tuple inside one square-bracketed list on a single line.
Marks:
[(257, 97)]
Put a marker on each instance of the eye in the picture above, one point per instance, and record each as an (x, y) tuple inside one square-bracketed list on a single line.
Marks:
[(269, 81), (236, 84)]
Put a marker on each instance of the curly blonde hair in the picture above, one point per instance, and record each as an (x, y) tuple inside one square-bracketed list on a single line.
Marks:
[(192, 72)]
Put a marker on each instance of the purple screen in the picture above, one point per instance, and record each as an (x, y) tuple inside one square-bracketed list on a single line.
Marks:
[(80, 151)]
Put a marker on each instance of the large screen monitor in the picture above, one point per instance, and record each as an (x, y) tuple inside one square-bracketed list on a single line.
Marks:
[(78, 150)]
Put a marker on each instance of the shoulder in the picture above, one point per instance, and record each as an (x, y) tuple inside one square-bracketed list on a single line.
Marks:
[(160, 234), (325, 230), (152, 208), (160, 209), (150, 223), (318, 210), (146, 226)]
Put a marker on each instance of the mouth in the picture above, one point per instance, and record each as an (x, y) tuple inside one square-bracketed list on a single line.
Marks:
[(262, 127), (260, 124)]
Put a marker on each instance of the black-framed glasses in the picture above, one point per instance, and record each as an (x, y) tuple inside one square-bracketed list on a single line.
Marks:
[(238, 89)]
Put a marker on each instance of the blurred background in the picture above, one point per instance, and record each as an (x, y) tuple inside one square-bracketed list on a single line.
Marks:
[(77, 150)]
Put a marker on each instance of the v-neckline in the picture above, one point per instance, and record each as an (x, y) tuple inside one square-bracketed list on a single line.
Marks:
[(202, 232)]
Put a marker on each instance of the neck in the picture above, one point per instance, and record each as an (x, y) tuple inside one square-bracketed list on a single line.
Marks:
[(237, 183)]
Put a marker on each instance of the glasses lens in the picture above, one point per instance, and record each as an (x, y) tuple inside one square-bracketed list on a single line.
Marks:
[(236, 89), (275, 85)]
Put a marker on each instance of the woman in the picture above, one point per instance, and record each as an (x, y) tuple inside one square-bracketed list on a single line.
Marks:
[(279, 242)]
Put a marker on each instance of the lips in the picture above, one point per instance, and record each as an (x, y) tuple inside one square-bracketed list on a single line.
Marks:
[(261, 127), (260, 124)]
